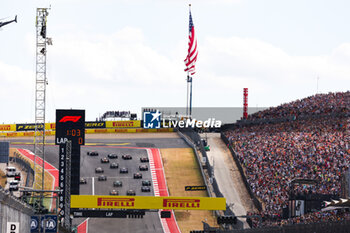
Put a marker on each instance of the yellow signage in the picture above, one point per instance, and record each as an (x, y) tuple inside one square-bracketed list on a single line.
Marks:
[(50, 126), (148, 202), (8, 127), (123, 124)]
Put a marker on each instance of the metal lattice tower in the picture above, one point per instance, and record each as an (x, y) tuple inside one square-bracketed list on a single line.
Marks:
[(40, 90)]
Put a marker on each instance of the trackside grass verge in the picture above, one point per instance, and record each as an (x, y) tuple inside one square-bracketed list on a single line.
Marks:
[(181, 169), (2, 178)]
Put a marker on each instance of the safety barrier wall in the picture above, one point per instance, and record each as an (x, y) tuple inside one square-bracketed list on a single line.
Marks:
[(90, 131), (256, 202), (14, 210), (193, 139), (197, 157), (194, 143), (88, 125)]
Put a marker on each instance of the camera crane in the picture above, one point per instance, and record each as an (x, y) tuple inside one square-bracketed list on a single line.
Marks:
[(8, 22)]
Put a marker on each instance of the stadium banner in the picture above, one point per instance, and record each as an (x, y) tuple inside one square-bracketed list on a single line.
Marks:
[(15, 134), (8, 127), (25, 134), (95, 124), (50, 126), (27, 127), (51, 133), (87, 131), (195, 188), (123, 124), (88, 125), (100, 130), (28, 134), (148, 202)]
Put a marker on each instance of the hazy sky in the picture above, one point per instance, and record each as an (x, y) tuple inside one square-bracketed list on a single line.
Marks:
[(128, 54)]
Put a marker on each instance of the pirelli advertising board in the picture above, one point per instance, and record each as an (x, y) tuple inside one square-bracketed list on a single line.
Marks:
[(50, 126), (8, 127), (195, 188), (95, 125), (28, 127), (123, 124), (148, 202), (88, 125)]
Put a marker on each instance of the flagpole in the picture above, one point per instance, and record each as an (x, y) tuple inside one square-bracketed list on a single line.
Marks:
[(190, 96), (187, 96)]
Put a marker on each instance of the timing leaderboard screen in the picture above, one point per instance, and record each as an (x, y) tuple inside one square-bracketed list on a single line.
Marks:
[(70, 125)]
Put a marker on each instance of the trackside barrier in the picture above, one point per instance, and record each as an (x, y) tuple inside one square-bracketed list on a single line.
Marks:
[(197, 142), (88, 125), (256, 202), (14, 210), (194, 143), (18, 158), (196, 138), (198, 159), (91, 131), (135, 130)]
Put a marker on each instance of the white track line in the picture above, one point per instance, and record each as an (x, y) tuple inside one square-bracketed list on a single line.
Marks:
[(93, 185), (87, 225)]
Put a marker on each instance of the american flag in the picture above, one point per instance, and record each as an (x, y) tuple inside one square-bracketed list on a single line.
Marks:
[(192, 54)]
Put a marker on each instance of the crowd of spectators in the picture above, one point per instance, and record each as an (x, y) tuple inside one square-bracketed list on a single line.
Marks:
[(315, 217), (338, 102), (272, 155)]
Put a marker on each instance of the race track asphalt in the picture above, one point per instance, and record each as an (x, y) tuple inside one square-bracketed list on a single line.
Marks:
[(150, 222)]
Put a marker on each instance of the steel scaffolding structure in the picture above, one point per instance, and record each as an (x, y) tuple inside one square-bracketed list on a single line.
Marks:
[(40, 90)]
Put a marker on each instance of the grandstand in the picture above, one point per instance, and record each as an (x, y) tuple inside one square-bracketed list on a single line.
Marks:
[(319, 104), (117, 115), (307, 139)]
